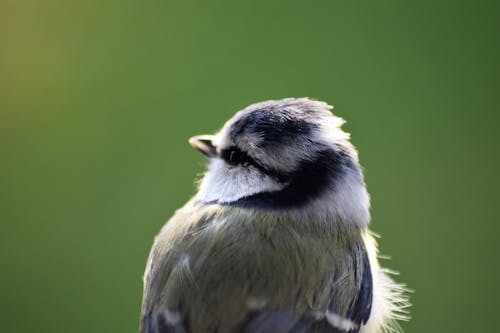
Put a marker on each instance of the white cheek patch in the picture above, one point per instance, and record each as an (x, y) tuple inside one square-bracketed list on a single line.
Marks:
[(225, 183)]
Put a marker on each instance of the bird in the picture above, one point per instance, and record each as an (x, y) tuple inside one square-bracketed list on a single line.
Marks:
[(276, 239)]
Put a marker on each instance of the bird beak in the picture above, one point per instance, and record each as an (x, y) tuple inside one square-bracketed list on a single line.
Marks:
[(204, 144)]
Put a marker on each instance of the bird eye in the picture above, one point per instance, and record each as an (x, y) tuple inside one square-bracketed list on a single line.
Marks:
[(234, 156)]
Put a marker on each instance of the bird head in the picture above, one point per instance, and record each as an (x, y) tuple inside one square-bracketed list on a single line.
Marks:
[(284, 154)]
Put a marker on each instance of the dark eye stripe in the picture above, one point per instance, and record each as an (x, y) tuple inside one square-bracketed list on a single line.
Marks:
[(235, 156)]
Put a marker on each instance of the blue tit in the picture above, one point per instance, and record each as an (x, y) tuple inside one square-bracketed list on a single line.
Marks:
[(276, 239)]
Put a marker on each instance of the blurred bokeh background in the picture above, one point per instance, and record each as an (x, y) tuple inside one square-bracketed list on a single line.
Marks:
[(98, 99)]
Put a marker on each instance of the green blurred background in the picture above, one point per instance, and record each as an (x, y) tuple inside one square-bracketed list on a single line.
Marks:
[(98, 99)]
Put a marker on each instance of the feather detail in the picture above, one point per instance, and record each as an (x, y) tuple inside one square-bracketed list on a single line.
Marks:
[(390, 299)]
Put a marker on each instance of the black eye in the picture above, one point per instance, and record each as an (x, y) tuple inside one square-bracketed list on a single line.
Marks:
[(234, 156)]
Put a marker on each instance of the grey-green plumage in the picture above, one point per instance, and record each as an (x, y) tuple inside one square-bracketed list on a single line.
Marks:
[(203, 248)]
